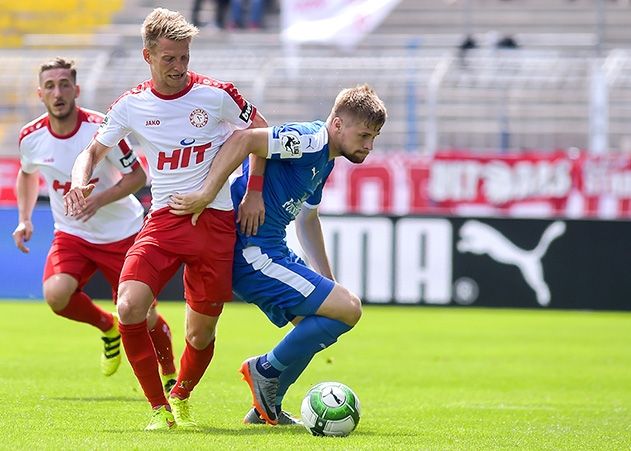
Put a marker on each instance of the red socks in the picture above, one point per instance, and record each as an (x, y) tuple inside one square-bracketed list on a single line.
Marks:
[(81, 308), (161, 338), (192, 367), (142, 358)]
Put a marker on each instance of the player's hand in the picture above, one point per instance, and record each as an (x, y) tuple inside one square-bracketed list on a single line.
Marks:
[(75, 199), (251, 214), (191, 203), (92, 204), (21, 234)]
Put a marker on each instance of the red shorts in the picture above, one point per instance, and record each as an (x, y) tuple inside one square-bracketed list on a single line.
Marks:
[(80, 259), (206, 250)]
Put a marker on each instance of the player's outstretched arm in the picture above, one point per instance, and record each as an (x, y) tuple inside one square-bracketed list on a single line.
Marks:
[(80, 189), (26, 187), (128, 184), (309, 232), (231, 155)]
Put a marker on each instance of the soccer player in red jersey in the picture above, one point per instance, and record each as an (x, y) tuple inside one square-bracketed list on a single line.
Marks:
[(99, 237), (181, 118)]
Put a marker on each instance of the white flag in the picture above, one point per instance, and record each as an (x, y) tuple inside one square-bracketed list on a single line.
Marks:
[(340, 22)]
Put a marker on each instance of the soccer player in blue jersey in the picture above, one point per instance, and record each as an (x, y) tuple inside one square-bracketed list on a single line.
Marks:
[(300, 157)]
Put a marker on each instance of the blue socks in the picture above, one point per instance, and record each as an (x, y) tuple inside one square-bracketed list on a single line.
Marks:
[(291, 356), (289, 376), (264, 366), (311, 335)]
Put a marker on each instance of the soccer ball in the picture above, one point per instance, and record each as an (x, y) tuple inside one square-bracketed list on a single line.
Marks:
[(330, 408)]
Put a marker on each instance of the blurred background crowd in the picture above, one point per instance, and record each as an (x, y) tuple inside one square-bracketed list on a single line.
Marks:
[(506, 75)]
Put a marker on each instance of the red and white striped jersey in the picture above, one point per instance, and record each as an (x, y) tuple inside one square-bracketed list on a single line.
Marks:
[(180, 134), (54, 155)]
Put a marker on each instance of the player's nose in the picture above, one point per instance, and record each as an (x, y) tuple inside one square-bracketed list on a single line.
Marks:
[(180, 67)]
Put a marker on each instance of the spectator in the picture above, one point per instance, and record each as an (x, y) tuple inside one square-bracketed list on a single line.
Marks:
[(255, 10), (507, 42), (221, 6)]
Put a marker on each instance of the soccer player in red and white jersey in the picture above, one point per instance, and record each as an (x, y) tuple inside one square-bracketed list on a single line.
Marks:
[(181, 119), (100, 236)]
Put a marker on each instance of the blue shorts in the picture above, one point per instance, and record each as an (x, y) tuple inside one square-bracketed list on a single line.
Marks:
[(279, 282)]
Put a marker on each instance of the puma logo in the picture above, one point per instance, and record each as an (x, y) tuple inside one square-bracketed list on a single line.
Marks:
[(479, 238)]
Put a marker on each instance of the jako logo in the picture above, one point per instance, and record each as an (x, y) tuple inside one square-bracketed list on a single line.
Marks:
[(152, 123), (479, 238)]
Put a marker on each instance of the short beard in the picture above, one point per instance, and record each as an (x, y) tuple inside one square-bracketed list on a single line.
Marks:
[(61, 117), (353, 158)]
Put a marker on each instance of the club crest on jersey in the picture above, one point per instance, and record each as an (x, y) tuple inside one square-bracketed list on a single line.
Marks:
[(290, 146), (198, 118)]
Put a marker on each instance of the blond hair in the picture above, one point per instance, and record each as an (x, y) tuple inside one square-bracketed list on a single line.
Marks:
[(362, 103), (163, 23), (60, 63)]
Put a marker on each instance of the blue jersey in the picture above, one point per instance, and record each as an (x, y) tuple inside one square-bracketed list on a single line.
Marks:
[(297, 168)]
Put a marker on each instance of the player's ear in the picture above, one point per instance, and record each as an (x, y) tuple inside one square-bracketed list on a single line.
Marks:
[(146, 55), (39, 93), (77, 91), (337, 123)]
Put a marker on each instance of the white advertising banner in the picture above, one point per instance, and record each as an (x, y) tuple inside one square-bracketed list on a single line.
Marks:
[(340, 22)]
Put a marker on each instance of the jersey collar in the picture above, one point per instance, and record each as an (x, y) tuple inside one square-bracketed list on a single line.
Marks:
[(187, 88), (80, 118)]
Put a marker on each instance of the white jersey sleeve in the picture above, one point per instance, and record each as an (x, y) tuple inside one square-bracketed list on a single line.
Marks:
[(27, 155), (235, 109), (114, 127), (122, 157)]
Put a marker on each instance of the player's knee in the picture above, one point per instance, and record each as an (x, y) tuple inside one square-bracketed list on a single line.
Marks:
[(123, 310), (56, 296), (353, 310), (128, 311), (200, 339), (349, 308), (134, 301)]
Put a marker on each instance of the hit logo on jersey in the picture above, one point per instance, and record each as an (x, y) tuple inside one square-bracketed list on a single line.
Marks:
[(181, 158)]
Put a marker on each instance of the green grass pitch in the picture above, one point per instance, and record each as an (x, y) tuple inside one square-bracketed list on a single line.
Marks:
[(427, 378)]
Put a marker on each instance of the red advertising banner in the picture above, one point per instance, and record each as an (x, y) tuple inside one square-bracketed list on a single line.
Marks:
[(464, 183), (8, 171)]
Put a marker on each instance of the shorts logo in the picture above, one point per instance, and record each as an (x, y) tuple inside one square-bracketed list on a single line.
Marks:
[(290, 146), (198, 118), (152, 123), (246, 112)]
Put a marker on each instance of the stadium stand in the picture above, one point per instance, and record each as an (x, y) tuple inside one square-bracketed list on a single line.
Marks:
[(43, 17), (535, 96)]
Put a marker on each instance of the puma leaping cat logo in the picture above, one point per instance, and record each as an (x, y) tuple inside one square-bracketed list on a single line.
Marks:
[(479, 238)]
